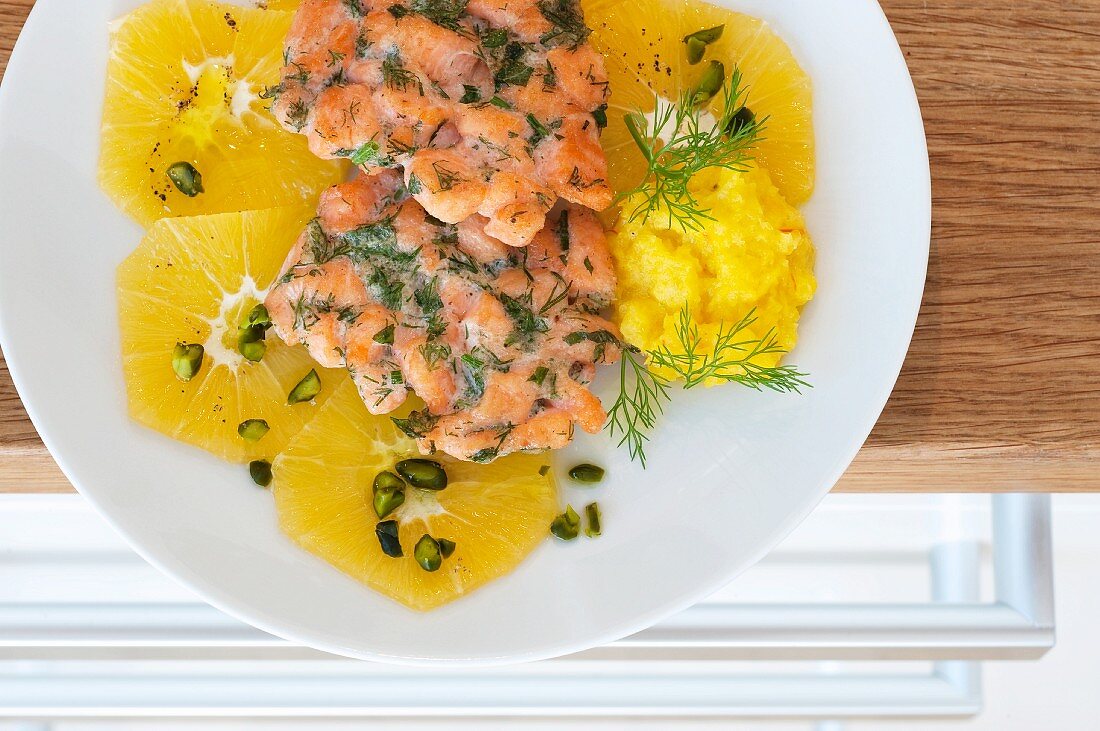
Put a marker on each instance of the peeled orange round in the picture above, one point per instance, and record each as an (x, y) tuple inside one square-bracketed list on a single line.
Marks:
[(191, 280), (642, 42), (494, 513), (184, 80)]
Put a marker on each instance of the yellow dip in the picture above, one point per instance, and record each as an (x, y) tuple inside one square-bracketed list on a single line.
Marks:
[(756, 254)]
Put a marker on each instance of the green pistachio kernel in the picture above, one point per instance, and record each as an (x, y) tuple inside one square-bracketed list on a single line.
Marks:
[(260, 471), (307, 388), (696, 49), (714, 76), (253, 352), (567, 525), (387, 501), (427, 553), (707, 35), (593, 515), (186, 178), (388, 538), (258, 315), (423, 473), (253, 430), (446, 547), (389, 493), (387, 480), (587, 473), (250, 342), (743, 119), (187, 360)]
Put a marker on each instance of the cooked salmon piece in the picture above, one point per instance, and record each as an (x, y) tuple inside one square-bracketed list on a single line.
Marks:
[(575, 165), (443, 182), (522, 17), (494, 106), (500, 342)]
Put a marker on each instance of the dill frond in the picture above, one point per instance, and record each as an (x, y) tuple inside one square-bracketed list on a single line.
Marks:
[(732, 359), (679, 142), (396, 76), (643, 391), (642, 394), (444, 13), (567, 27)]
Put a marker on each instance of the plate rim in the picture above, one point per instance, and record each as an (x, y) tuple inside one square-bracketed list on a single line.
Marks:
[(249, 614)]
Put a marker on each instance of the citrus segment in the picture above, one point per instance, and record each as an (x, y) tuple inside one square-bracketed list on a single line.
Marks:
[(184, 84), (495, 513), (642, 41), (191, 280)]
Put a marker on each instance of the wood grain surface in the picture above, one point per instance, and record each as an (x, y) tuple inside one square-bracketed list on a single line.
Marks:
[(1001, 390)]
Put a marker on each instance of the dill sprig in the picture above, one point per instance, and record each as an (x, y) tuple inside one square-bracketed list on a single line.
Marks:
[(396, 76), (642, 394), (444, 13), (566, 21), (679, 142), (731, 359), (642, 391)]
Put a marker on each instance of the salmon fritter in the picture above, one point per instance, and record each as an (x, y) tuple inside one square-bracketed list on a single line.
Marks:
[(490, 108), (499, 342)]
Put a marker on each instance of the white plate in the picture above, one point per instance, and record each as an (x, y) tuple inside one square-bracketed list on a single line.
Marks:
[(731, 471)]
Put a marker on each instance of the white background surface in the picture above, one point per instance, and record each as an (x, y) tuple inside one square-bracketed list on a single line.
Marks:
[(1056, 693)]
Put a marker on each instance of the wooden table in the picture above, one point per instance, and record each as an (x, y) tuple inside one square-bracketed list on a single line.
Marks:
[(1001, 390)]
